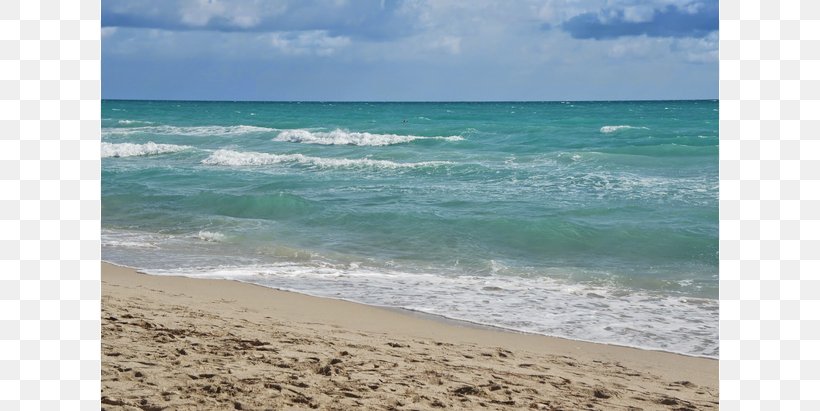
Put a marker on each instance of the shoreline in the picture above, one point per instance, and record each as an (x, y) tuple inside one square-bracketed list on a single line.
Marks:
[(427, 315), (160, 330)]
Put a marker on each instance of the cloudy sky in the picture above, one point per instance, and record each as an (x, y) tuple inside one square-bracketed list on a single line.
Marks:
[(430, 50)]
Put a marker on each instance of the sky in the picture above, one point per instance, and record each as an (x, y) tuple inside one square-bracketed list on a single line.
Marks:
[(410, 50)]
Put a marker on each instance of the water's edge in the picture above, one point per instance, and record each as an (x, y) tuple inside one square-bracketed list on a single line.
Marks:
[(414, 312)]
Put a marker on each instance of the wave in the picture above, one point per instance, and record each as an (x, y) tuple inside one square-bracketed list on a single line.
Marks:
[(134, 122), (128, 244), (211, 236), (238, 158), (123, 239), (131, 150), (341, 137), (612, 129), (197, 131), (667, 151), (540, 304)]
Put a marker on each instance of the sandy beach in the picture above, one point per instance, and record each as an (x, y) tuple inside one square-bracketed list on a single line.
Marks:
[(184, 343)]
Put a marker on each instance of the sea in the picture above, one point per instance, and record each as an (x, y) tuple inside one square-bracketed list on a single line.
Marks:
[(588, 220)]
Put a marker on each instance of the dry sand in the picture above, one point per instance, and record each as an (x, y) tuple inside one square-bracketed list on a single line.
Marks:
[(183, 343)]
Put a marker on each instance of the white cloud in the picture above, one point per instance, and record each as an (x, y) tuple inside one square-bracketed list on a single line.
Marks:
[(558, 11), (316, 42), (245, 21), (691, 8), (637, 47), (700, 50), (107, 31), (450, 44), (242, 14), (635, 11), (638, 14), (200, 12), (690, 50)]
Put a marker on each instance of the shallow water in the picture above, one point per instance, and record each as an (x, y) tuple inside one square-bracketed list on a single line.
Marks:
[(588, 220)]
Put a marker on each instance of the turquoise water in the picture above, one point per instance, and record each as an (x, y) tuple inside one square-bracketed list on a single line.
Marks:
[(588, 220)]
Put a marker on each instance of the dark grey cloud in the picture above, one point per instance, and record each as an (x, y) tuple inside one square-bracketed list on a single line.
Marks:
[(369, 19), (698, 20)]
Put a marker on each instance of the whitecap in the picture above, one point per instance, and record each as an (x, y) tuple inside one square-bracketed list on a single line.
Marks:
[(211, 236), (239, 158), (134, 122), (612, 129), (342, 137), (197, 131), (131, 150)]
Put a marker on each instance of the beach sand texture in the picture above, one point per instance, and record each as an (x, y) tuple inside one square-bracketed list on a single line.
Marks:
[(179, 343)]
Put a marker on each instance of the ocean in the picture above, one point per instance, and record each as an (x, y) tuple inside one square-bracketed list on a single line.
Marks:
[(595, 221)]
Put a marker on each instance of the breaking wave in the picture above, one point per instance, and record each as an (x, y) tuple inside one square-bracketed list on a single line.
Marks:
[(131, 150), (341, 137), (134, 122), (210, 236), (188, 131), (612, 129), (238, 158)]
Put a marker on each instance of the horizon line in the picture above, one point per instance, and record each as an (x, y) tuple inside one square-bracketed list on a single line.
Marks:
[(404, 101)]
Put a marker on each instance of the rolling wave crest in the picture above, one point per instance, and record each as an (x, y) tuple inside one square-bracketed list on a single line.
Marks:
[(612, 129), (238, 158), (341, 137), (199, 131), (131, 150)]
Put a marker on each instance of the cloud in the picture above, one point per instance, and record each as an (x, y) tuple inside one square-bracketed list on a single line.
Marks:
[(688, 49), (684, 20), (201, 13), (409, 49), (698, 50), (316, 42), (369, 19), (638, 14), (107, 31), (450, 44)]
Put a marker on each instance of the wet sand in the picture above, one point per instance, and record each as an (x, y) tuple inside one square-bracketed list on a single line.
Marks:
[(182, 343)]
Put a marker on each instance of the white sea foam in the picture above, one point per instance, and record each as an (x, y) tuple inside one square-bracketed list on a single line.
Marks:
[(130, 149), (612, 129), (239, 158), (211, 236), (197, 131), (569, 157), (540, 305), (128, 240), (543, 303), (128, 244), (342, 137), (134, 122)]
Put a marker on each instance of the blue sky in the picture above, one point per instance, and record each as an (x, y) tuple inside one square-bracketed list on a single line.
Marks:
[(391, 50)]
